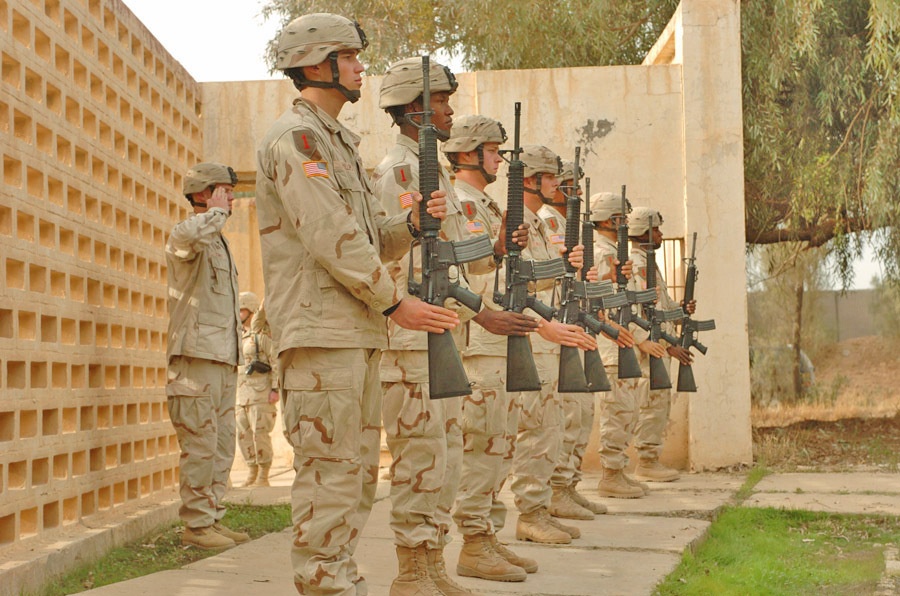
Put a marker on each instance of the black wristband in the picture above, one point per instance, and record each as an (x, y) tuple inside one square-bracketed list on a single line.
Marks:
[(389, 311), (409, 226)]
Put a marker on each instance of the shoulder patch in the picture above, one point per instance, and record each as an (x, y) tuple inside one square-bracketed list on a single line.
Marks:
[(406, 200), (314, 169), (468, 208), (402, 175), (304, 141), (551, 221)]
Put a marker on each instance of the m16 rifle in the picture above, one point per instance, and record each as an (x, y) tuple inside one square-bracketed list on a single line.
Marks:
[(690, 327), (521, 371), (446, 375)]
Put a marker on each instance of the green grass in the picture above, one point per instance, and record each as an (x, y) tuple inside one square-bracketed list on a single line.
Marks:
[(163, 550), (769, 552)]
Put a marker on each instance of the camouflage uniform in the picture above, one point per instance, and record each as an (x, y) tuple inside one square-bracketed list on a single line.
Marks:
[(202, 352), (255, 415), (424, 435), (323, 237)]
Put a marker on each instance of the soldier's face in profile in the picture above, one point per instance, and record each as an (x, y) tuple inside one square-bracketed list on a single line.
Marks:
[(350, 69), (549, 184), (443, 113), (492, 159)]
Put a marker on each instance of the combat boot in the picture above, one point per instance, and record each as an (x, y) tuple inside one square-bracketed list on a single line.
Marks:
[(529, 565), (536, 527), (562, 505), (653, 471), (206, 538), (641, 485), (251, 476), (437, 571), (263, 479), (592, 506), (478, 559), (413, 579), (613, 484), (570, 530), (237, 537)]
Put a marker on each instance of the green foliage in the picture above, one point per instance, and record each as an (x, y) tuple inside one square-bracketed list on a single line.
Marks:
[(775, 552)]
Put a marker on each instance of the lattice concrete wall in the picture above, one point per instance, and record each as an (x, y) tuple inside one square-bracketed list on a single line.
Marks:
[(97, 124)]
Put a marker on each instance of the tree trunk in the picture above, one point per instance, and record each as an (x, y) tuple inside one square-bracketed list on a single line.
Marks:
[(798, 327)]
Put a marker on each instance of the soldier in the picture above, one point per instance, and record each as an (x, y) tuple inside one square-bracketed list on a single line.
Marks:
[(578, 408), (202, 352), (323, 236), (618, 408), (490, 415), (424, 435), (257, 393), (540, 422), (653, 405)]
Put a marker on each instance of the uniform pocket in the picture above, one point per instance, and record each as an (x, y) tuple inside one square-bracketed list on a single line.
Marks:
[(322, 413)]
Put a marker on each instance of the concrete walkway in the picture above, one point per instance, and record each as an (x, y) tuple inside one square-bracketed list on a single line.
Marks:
[(626, 552)]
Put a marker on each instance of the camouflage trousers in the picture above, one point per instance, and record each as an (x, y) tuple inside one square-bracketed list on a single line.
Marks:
[(200, 397), (578, 419), (618, 416), (490, 424), (424, 437), (254, 425), (539, 439), (653, 415), (331, 410)]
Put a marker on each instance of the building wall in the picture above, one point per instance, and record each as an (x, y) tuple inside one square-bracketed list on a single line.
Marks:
[(97, 124)]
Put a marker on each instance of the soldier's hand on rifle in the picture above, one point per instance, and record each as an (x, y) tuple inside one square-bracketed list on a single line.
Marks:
[(501, 322), (683, 356), (593, 274), (566, 335), (576, 257), (627, 269), (690, 307), (418, 315), (652, 348), (437, 207), (520, 237), (625, 339)]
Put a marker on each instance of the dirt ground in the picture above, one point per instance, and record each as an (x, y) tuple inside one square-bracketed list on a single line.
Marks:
[(853, 423)]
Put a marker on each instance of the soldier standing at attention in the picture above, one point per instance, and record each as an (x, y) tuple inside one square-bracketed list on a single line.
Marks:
[(653, 405), (257, 394), (202, 352), (323, 237), (490, 415)]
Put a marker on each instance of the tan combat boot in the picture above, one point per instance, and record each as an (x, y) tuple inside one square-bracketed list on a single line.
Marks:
[(413, 579), (653, 471), (206, 538), (641, 485), (536, 527), (251, 476), (237, 537), (592, 506), (562, 505), (570, 530), (437, 571), (263, 479), (613, 484), (529, 565), (478, 559)]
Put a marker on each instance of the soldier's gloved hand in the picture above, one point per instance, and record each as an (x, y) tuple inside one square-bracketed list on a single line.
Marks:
[(418, 315), (625, 339), (682, 355), (501, 322), (437, 207), (566, 335), (652, 348), (576, 257), (690, 307)]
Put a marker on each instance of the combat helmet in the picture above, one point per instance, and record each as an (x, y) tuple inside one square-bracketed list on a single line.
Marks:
[(470, 133), (641, 220), (540, 160), (403, 84), (605, 205), (313, 38), (248, 300), (203, 175)]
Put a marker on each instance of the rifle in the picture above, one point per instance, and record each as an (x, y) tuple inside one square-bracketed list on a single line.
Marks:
[(574, 299), (446, 375), (690, 327), (594, 371), (628, 362), (659, 375), (521, 371)]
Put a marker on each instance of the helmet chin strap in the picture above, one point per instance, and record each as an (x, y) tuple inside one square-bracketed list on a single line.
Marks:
[(489, 178), (537, 191), (335, 83)]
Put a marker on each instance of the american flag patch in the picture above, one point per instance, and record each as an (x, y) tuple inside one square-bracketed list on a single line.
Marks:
[(475, 227), (406, 200), (557, 238), (315, 168)]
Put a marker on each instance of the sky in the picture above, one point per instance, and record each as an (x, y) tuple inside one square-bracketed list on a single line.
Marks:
[(225, 40)]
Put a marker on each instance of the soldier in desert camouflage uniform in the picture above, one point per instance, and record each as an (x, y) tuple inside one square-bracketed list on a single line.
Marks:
[(202, 352), (323, 235), (653, 405), (257, 394), (490, 415), (540, 422)]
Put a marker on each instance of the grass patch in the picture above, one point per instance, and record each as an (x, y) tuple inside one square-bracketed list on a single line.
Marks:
[(162, 550), (770, 552)]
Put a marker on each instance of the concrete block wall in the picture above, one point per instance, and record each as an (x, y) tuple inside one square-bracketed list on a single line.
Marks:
[(97, 125)]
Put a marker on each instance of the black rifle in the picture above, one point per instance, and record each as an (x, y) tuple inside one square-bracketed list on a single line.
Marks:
[(690, 327), (521, 371), (446, 375), (628, 362), (594, 371)]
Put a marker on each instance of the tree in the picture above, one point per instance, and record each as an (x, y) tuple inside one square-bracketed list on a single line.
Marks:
[(821, 125)]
